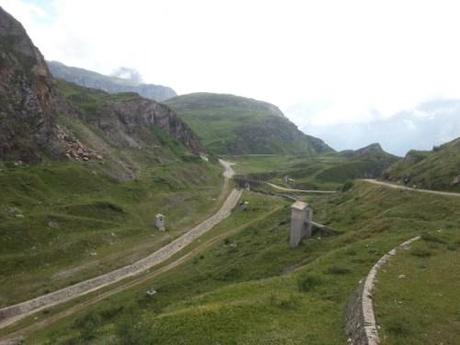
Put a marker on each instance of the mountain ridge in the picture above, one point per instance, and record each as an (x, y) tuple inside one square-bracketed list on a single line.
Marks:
[(111, 84), (437, 169), (43, 118), (229, 124)]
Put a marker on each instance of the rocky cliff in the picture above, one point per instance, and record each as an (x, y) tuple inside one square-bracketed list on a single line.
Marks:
[(127, 120), (102, 82), (42, 118), (27, 98)]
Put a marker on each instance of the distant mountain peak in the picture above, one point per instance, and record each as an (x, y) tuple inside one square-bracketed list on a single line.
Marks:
[(374, 147), (124, 80)]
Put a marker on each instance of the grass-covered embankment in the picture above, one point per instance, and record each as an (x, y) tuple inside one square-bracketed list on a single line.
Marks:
[(251, 288), (417, 296), (61, 223)]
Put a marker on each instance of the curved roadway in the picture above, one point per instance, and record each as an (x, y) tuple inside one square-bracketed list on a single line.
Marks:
[(397, 186), (293, 190), (13, 313)]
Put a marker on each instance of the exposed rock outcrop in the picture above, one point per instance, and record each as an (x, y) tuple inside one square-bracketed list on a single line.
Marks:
[(38, 119), (137, 116), (27, 100)]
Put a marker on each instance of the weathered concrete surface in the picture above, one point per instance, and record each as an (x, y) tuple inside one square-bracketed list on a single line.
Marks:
[(397, 186), (13, 313), (301, 216), (361, 324)]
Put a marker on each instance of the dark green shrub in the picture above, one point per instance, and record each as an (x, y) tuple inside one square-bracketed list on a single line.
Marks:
[(338, 270), (432, 238), (421, 253), (347, 186), (308, 282)]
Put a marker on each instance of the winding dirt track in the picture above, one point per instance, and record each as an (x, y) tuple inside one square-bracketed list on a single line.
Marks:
[(293, 190), (397, 186), (13, 313)]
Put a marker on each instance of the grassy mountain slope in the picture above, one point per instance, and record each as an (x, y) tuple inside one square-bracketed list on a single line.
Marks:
[(325, 171), (83, 173), (229, 124), (437, 169), (64, 222), (99, 81), (249, 287)]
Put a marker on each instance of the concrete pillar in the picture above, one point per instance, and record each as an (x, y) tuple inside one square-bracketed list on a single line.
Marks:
[(301, 217)]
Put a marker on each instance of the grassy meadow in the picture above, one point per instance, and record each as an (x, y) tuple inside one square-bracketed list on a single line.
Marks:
[(61, 223), (246, 286), (417, 299), (327, 171)]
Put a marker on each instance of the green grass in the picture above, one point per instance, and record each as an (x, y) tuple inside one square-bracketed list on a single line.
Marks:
[(436, 169), (64, 222), (417, 299), (326, 171), (229, 124), (251, 288)]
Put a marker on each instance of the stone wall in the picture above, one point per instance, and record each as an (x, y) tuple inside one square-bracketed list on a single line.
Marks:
[(361, 325)]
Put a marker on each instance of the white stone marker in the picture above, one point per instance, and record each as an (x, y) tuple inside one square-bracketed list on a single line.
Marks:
[(160, 222)]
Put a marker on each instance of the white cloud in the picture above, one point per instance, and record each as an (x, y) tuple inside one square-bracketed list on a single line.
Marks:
[(359, 59)]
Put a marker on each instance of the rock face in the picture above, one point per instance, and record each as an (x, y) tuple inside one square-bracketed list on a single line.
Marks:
[(27, 100), (139, 114), (108, 84), (41, 117), (127, 120)]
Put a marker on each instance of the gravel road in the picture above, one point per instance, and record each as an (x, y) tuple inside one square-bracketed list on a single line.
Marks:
[(13, 313)]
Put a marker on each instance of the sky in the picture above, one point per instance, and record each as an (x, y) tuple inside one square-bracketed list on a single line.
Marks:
[(330, 65)]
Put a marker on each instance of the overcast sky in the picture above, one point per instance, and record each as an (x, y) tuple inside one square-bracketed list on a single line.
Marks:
[(325, 63)]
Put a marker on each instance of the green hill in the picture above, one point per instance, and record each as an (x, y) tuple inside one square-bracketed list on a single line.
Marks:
[(324, 171), (436, 169), (82, 174), (229, 124), (244, 285)]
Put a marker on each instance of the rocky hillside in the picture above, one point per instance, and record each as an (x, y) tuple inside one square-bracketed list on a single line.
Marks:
[(27, 98), (45, 119), (436, 169), (126, 120), (98, 81), (229, 124)]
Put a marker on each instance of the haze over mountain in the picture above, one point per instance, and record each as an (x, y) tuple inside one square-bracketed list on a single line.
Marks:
[(122, 80), (211, 218), (428, 124), (366, 71)]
